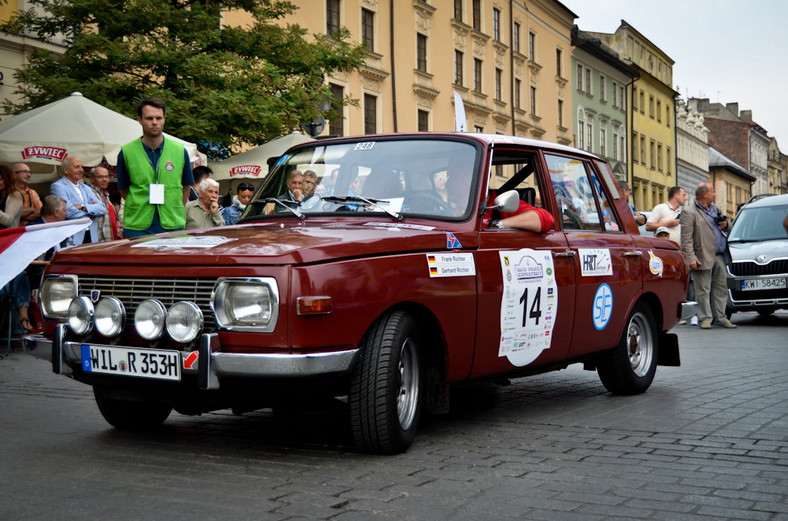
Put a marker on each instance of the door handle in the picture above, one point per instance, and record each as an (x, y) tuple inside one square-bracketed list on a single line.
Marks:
[(637, 253), (568, 253)]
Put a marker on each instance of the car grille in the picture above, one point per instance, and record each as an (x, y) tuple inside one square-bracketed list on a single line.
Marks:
[(132, 291), (746, 269)]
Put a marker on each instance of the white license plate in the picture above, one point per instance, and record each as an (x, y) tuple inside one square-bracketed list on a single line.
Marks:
[(752, 284), (125, 361)]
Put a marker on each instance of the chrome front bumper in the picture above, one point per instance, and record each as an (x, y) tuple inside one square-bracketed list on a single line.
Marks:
[(212, 364)]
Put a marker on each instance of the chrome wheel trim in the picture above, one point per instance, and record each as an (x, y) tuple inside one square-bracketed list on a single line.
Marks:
[(640, 345), (408, 392)]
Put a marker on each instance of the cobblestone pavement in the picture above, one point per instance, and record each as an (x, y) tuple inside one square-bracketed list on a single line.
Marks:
[(708, 441)]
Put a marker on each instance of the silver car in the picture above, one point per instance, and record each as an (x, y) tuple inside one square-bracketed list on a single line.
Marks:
[(758, 264)]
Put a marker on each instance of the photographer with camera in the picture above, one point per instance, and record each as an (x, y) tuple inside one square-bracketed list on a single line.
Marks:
[(667, 214), (704, 243)]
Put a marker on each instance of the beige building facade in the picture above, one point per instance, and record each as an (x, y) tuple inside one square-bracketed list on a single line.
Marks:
[(508, 60), (652, 119)]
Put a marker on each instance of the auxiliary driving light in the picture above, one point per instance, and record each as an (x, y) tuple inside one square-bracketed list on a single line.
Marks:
[(80, 315), (149, 319), (184, 321), (110, 316)]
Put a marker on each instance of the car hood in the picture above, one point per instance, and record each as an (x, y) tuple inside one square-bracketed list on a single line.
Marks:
[(274, 243), (760, 252)]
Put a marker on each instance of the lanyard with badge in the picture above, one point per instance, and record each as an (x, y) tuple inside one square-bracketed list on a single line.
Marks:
[(156, 193)]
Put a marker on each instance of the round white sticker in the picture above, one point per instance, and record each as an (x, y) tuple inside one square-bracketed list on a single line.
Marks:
[(603, 306)]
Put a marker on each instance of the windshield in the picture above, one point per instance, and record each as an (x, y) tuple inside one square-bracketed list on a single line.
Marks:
[(424, 177), (759, 224)]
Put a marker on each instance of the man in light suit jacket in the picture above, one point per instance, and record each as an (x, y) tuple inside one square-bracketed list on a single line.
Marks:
[(80, 199), (704, 243)]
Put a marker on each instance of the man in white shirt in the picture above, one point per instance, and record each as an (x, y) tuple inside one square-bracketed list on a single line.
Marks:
[(667, 214)]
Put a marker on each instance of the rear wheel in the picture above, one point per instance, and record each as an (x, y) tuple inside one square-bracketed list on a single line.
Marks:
[(386, 386), (129, 414), (630, 367)]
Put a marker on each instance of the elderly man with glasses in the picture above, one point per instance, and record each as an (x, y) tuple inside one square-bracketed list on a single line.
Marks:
[(31, 202), (243, 195)]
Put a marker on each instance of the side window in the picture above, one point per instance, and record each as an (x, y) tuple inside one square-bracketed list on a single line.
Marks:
[(516, 171), (573, 194), (608, 215)]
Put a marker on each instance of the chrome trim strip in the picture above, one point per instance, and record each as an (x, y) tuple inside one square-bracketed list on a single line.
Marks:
[(313, 364)]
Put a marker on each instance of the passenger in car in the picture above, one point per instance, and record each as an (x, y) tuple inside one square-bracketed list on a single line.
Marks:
[(526, 217)]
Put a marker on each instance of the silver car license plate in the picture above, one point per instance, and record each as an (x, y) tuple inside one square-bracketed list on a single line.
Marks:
[(755, 284)]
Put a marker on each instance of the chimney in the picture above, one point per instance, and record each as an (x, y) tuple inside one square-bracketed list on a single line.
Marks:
[(733, 108), (746, 114)]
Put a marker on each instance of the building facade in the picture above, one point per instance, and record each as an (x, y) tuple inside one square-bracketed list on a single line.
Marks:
[(508, 60), (652, 164), (732, 182), (692, 147), (600, 83), (736, 135), (15, 50), (777, 164)]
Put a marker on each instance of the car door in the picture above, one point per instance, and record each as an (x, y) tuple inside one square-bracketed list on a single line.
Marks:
[(526, 288), (607, 265)]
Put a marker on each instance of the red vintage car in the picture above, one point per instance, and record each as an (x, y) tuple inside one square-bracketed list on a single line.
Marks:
[(386, 287)]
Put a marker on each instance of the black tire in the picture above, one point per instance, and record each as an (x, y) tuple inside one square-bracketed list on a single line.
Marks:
[(131, 415), (386, 386), (630, 367)]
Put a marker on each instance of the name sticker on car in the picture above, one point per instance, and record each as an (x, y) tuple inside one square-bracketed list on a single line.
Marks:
[(595, 262), (451, 264), (367, 145), (529, 301), (187, 241)]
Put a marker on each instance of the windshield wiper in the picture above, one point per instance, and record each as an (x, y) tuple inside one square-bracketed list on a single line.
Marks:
[(377, 203), (282, 203)]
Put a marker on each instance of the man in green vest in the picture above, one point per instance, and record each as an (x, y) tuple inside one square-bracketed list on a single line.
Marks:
[(154, 176)]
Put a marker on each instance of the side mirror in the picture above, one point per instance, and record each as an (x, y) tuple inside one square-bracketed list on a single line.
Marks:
[(508, 202)]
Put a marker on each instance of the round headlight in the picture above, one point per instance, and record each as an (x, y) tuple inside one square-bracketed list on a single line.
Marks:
[(149, 319), (184, 321), (56, 296), (110, 316), (80, 315)]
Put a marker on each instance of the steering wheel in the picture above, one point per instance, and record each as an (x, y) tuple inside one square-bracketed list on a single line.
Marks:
[(426, 202)]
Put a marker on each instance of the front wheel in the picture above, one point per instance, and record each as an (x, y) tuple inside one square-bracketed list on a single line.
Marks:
[(386, 386), (128, 414), (630, 367)]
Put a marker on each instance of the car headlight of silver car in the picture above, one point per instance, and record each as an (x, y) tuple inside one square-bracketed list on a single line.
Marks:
[(56, 295), (246, 304)]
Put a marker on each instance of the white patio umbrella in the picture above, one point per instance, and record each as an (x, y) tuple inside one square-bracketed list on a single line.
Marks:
[(72, 126), (253, 164)]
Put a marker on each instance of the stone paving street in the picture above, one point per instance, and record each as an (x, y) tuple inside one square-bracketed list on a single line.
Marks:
[(708, 441)]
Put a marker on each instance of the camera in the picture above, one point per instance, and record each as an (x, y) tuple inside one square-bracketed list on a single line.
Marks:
[(720, 219)]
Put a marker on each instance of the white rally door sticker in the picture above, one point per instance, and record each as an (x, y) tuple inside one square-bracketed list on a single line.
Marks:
[(528, 304), (595, 262)]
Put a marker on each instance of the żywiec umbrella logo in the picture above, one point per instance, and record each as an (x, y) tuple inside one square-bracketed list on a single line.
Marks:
[(57, 154), (245, 169)]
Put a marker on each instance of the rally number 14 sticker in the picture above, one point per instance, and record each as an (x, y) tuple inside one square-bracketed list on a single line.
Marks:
[(528, 304)]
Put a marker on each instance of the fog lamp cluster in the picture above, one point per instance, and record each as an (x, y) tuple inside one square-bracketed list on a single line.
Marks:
[(183, 322)]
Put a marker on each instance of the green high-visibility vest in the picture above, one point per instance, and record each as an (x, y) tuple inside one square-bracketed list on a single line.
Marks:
[(137, 210)]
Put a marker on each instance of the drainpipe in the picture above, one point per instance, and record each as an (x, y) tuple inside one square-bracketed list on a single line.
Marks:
[(511, 67), (393, 66)]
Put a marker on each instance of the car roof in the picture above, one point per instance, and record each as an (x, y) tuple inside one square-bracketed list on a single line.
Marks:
[(770, 200), (490, 139)]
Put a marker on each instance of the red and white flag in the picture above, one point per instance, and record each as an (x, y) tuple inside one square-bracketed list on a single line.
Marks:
[(20, 246)]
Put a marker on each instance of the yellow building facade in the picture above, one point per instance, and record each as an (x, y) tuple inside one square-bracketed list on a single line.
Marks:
[(652, 119), (508, 60)]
